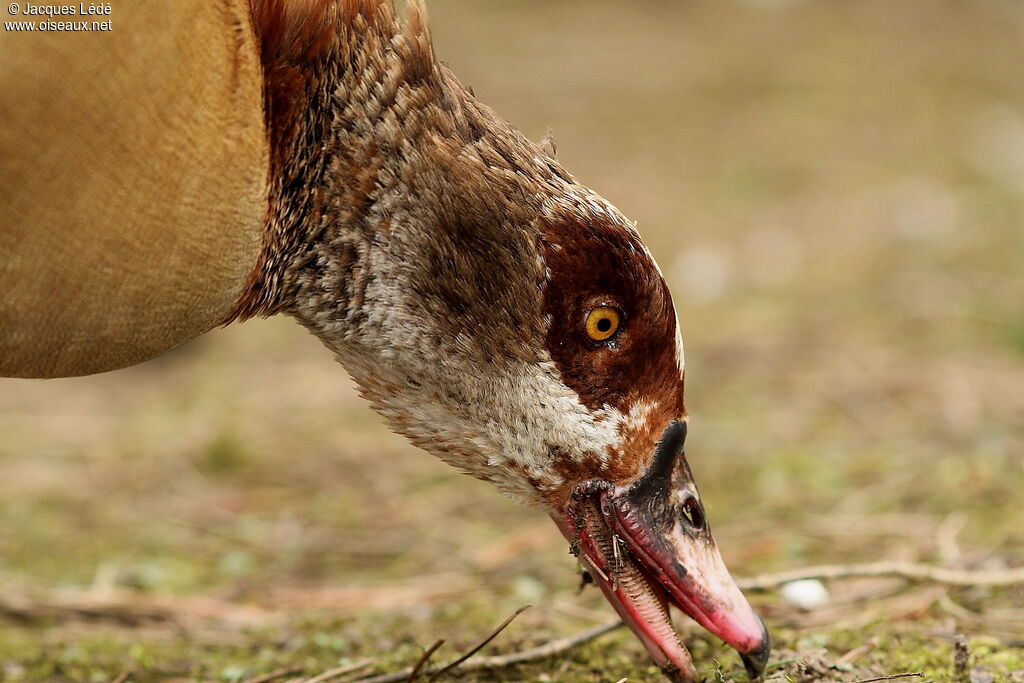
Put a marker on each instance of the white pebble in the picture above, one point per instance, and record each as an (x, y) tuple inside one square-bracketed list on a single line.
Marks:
[(805, 593)]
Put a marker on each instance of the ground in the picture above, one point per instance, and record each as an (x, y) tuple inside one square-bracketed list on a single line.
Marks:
[(835, 191)]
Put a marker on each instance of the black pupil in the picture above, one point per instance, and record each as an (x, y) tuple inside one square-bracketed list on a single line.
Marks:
[(693, 513), (604, 324)]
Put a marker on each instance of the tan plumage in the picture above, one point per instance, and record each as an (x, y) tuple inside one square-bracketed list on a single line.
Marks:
[(133, 182)]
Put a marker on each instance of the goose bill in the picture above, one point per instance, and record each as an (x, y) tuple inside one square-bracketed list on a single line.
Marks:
[(640, 601), (645, 553)]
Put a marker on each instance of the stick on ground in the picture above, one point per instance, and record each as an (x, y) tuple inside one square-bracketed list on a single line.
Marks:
[(275, 674), (479, 646), (549, 649), (916, 674), (424, 658), (906, 570), (340, 671)]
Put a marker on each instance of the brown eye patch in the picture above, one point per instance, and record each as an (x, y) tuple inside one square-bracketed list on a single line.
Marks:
[(591, 262)]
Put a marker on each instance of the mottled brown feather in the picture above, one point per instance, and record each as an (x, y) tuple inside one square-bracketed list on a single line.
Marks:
[(302, 44)]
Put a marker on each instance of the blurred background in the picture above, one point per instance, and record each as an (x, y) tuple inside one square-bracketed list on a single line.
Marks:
[(835, 191)]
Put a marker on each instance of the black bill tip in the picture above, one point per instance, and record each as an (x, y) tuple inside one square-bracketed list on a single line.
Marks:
[(756, 661)]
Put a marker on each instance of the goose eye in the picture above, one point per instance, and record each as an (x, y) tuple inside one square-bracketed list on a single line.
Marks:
[(603, 322)]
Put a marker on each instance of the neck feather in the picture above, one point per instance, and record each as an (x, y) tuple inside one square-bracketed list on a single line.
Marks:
[(355, 104), (320, 59)]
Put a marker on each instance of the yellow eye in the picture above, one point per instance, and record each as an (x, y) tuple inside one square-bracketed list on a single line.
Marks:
[(603, 322)]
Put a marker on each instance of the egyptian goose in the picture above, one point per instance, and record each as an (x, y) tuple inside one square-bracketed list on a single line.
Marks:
[(312, 158)]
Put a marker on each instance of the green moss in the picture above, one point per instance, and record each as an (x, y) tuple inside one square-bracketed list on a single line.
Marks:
[(224, 455)]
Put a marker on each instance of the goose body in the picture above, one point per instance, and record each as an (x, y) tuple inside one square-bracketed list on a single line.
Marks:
[(133, 211), (314, 159)]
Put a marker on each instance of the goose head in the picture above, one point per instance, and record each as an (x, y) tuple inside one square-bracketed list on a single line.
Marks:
[(550, 364), (493, 309), (313, 158)]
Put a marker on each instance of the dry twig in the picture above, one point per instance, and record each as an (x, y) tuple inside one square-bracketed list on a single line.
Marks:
[(549, 649), (916, 674), (479, 646), (424, 658), (276, 673), (856, 653), (340, 671), (906, 570), (866, 608)]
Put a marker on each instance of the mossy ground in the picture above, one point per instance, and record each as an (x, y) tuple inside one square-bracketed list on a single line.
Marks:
[(835, 191)]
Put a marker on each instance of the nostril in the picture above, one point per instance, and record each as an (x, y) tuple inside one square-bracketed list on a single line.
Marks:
[(693, 513)]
